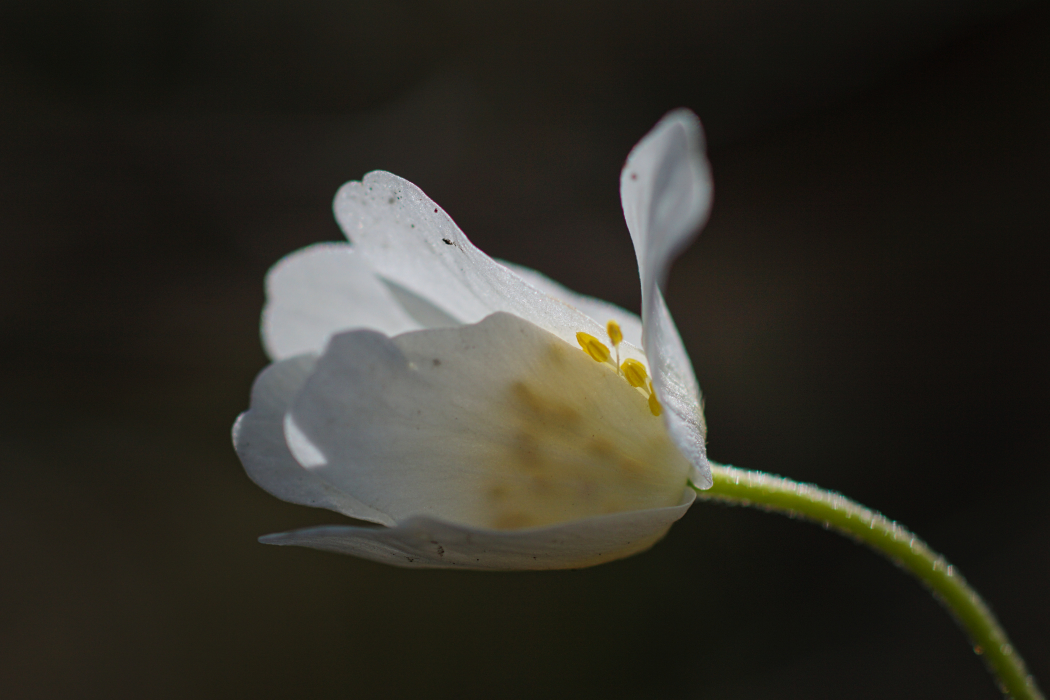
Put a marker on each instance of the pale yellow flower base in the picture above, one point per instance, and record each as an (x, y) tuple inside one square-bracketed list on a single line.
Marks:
[(835, 511)]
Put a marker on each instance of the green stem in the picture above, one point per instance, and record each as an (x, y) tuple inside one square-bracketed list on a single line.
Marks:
[(833, 510)]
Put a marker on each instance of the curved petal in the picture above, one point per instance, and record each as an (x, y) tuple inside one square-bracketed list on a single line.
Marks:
[(322, 290), (677, 389), (423, 542), (497, 425), (599, 310), (410, 241), (665, 188), (258, 437)]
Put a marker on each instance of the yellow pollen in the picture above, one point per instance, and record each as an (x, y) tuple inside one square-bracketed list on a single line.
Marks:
[(634, 372), (631, 370), (593, 347), (654, 405)]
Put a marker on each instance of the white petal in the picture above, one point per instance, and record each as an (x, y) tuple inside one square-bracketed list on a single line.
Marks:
[(430, 543), (258, 437), (665, 188), (496, 425), (601, 311), (677, 389), (410, 241), (322, 290)]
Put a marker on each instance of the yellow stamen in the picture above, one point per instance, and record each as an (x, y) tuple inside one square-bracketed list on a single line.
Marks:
[(654, 405), (616, 336), (634, 372), (593, 347)]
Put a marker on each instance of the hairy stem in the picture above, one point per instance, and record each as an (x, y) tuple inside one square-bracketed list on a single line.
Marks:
[(833, 510)]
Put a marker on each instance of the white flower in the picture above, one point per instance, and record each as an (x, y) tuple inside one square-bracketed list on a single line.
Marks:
[(443, 396)]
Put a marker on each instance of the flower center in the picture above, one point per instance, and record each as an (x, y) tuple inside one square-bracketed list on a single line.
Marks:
[(632, 370), (579, 439), (498, 424)]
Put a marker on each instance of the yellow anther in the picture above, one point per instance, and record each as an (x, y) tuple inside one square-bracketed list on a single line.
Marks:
[(634, 372), (615, 334), (593, 347), (654, 405)]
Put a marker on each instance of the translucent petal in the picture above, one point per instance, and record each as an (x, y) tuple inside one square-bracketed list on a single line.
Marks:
[(424, 542), (601, 311), (665, 188), (677, 389), (495, 425), (322, 290), (258, 437), (411, 242)]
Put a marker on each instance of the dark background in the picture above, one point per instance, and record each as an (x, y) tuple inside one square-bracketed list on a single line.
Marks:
[(867, 309)]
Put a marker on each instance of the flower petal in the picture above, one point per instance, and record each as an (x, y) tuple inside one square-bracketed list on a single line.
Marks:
[(258, 437), (322, 290), (424, 542), (410, 241), (497, 425), (677, 389), (665, 188), (600, 311)]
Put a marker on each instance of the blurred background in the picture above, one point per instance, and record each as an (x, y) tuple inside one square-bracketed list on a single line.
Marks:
[(867, 309)]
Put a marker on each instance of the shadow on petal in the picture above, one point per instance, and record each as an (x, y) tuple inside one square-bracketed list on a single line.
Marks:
[(428, 543)]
